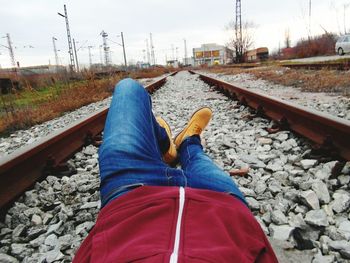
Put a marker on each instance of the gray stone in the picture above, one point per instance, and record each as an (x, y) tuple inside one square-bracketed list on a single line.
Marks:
[(20, 250), (278, 217), (54, 228), (89, 205), (321, 190), (325, 171), (274, 167), (51, 241), (65, 241), (316, 218), (89, 150), (342, 246), (319, 258), (7, 259), (344, 228), (274, 187), (282, 137), (252, 203), (264, 140), (341, 202), (308, 163), (344, 179), (37, 242), (53, 255), (247, 192), (18, 231), (86, 226), (260, 187), (297, 221), (36, 220), (310, 199), (34, 232), (281, 232)]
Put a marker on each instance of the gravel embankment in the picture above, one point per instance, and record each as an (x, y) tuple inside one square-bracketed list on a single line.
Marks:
[(295, 199), (333, 104)]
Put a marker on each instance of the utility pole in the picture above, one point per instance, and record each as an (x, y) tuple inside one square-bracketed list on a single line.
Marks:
[(105, 47), (173, 52), (238, 31), (345, 7), (152, 50), (55, 51), (124, 50), (12, 55), (185, 43), (310, 19), (90, 58), (71, 57), (101, 57), (76, 56), (148, 54)]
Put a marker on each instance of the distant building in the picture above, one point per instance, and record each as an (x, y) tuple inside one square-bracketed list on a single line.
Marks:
[(212, 54), (172, 63), (142, 65), (256, 55)]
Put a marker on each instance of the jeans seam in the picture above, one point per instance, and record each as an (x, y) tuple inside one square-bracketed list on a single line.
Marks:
[(189, 157)]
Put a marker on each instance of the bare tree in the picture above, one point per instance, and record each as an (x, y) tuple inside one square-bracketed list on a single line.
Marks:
[(241, 44)]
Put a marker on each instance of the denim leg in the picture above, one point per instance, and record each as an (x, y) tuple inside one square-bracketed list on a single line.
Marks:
[(133, 143), (201, 172)]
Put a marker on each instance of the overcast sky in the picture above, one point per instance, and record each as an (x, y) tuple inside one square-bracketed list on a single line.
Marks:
[(35, 22)]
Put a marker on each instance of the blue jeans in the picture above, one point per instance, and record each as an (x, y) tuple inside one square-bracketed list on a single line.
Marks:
[(133, 143)]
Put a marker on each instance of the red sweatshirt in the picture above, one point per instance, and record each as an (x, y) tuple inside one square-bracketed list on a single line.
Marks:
[(175, 224)]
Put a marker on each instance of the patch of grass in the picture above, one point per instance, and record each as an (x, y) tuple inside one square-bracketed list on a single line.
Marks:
[(25, 108)]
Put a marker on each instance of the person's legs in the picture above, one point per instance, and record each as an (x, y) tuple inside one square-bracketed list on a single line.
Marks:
[(133, 144), (200, 170)]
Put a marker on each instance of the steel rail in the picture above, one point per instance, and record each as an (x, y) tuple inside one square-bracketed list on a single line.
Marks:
[(318, 66), (323, 129), (22, 168)]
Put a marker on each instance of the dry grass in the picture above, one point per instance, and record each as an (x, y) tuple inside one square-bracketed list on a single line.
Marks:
[(149, 73), (308, 80), (23, 109)]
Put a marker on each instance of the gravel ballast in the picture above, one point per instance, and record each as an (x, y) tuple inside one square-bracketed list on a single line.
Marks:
[(294, 198), (330, 103)]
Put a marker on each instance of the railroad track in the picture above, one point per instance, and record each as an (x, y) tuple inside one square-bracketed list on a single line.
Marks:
[(21, 169), (319, 66)]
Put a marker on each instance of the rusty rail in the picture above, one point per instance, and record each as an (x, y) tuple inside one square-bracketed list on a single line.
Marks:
[(22, 168), (318, 66), (323, 129)]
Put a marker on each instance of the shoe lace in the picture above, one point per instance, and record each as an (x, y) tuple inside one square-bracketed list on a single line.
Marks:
[(196, 129)]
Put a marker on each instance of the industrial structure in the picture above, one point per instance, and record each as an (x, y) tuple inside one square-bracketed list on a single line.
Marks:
[(212, 54), (106, 48), (70, 45), (256, 55)]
